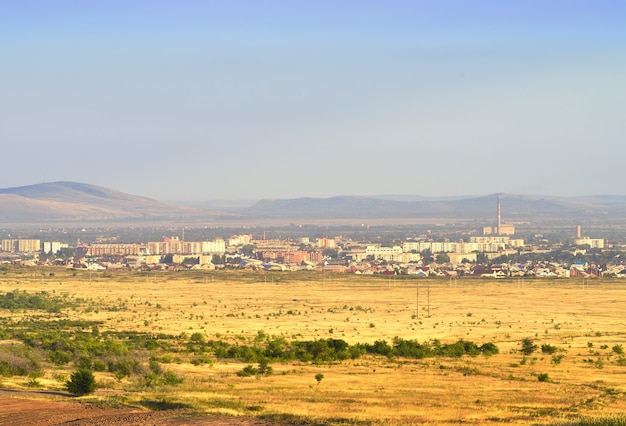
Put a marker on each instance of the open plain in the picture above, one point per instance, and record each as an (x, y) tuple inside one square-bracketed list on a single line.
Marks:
[(572, 367)]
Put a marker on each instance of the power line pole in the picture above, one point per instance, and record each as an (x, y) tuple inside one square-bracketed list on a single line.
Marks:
[(428, 300), (417, 300)]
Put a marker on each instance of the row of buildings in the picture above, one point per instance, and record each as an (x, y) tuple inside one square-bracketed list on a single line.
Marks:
[(32, 246)]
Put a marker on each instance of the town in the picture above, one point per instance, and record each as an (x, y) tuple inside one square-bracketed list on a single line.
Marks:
[(492, 252)]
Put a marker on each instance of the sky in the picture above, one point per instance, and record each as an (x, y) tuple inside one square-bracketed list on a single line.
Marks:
[(239, 99)]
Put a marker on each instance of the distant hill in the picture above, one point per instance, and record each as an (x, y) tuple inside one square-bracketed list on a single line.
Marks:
[(79, 202), (71, 201), (514, 207)]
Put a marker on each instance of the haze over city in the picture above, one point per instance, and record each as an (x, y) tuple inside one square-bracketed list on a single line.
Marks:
[(198, 100)]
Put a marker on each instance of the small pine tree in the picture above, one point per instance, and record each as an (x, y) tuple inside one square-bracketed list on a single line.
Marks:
[(82, 382)]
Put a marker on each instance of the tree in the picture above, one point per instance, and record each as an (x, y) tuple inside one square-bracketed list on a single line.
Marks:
[(319, 377), (482, 258), (247, 250), (528, 346), (330, 252), (443, 258), (82, 382)]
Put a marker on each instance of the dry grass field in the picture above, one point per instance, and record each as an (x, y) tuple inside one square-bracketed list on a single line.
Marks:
[(581, 371)]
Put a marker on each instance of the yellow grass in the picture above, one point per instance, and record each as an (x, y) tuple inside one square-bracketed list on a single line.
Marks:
[(583, 322)]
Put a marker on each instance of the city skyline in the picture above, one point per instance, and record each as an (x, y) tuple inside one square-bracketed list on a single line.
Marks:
[(248, 100)]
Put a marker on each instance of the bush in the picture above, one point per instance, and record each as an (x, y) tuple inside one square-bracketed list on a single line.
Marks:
[(171, 378), (82, 382), (489, 349), (528, 346), (248, 371), (543, 377), (548, 349)]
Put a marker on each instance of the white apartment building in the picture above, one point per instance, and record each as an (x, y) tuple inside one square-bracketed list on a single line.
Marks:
[(591, 242), (53, 246), (385, 253), (239, 240)]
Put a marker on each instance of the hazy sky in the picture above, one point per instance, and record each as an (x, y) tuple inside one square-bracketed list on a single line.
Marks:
[(210, 99)]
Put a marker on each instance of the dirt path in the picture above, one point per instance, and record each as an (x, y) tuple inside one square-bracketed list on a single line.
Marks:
[(25, 408)]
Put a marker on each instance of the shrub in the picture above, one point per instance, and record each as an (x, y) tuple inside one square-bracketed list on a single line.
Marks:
[(548, 349), (171, 378), (264, 368), (82, 382), (528, 346), (543, 377), (489, 349), (155, 366), (556, 359), (247, 371)]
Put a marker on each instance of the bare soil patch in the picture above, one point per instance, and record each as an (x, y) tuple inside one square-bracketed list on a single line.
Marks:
[(24, 408)]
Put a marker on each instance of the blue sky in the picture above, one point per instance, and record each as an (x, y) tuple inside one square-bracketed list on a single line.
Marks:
[(200, 100)]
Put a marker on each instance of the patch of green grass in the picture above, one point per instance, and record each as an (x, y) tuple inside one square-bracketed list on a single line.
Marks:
[(594, 421)]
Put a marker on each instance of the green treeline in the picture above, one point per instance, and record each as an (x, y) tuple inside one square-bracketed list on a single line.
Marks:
[(329, 350)]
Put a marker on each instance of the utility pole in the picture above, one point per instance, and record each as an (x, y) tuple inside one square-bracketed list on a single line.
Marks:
[(428, 300), (417, 300)]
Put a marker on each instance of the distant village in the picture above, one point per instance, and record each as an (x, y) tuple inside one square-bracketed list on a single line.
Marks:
[(495, 254)]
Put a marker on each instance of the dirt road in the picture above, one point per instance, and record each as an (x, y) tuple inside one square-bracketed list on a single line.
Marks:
[(24, 408)]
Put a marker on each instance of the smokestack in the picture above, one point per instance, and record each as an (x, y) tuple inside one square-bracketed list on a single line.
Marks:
[(499, 220), (579, 233)]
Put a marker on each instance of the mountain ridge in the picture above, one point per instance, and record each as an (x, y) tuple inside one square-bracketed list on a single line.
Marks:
[(66, 201), (515, 207)]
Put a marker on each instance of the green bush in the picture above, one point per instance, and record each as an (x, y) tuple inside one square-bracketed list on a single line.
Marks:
[(247, 371), (489, 349), (528, 346), (548, 349), (171, 378), (82, 382)]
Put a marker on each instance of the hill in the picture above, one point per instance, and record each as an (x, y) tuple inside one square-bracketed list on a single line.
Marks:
[(71, 201), (79, 202), (514, 207)]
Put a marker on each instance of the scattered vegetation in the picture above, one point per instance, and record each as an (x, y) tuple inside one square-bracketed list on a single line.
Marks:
[(595, 421), (212, 360), (16, 300)]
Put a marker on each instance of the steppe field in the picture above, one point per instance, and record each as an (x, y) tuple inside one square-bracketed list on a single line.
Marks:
[(229, 345)]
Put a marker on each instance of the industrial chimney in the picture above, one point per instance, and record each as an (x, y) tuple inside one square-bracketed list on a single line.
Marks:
[(499, 220)]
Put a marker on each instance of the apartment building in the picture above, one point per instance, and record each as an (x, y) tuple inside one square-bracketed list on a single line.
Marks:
[(239, 240), (168, 246), (53, 246), (389, 254), (591, 242), (326, 243), (21, 246)]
